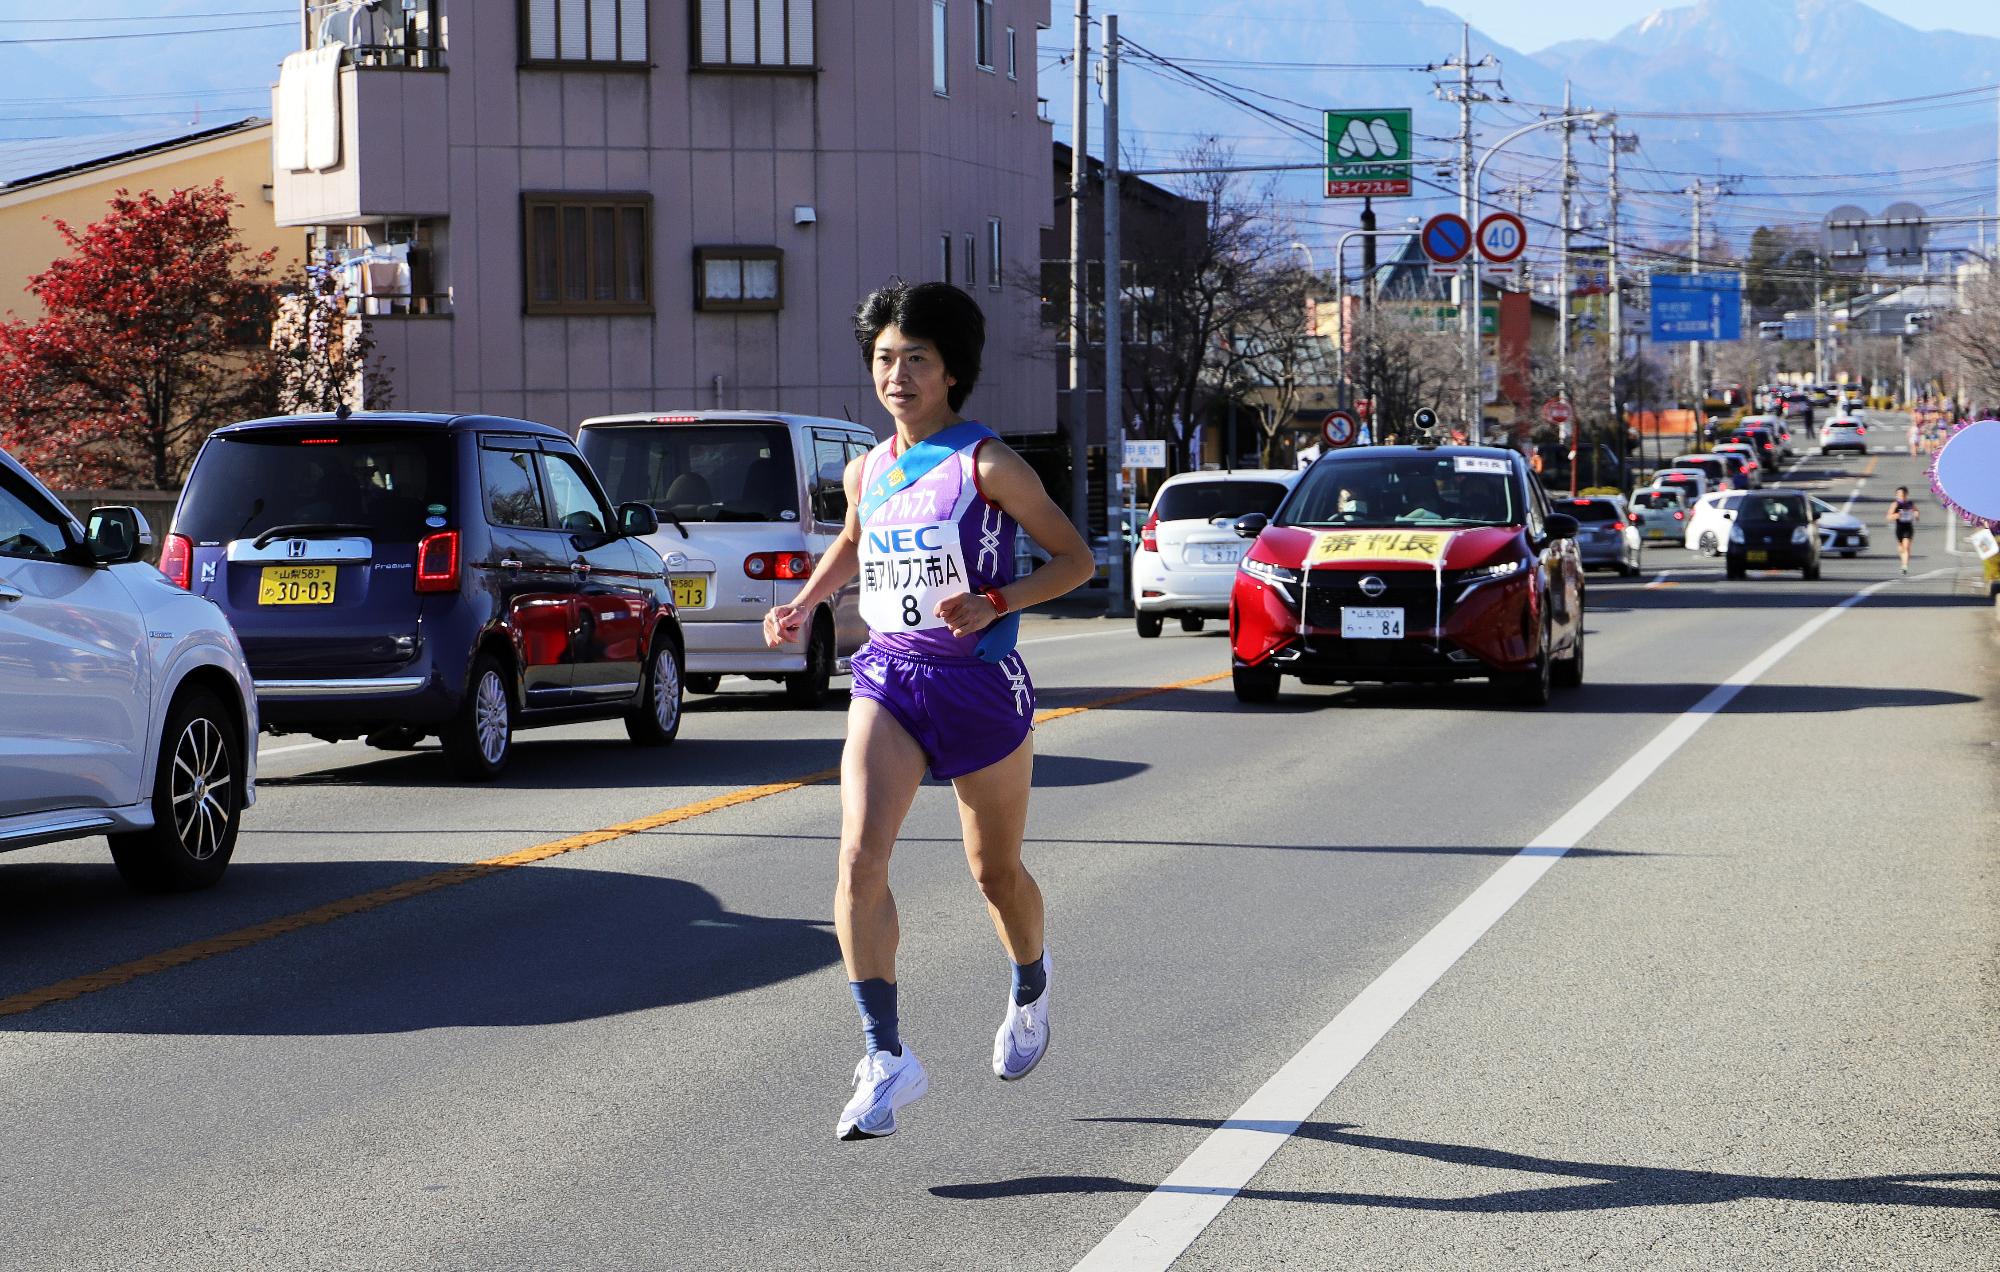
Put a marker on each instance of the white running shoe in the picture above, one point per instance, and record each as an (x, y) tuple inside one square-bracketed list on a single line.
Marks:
[(1024, 1036), (883, 1083)]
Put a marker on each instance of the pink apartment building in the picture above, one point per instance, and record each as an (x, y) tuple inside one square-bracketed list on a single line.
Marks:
[(564, 208)]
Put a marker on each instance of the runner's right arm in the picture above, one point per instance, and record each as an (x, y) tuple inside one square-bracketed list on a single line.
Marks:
[(841, 562)]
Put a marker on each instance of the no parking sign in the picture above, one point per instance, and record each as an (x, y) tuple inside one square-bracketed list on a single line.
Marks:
[(1338, 428)]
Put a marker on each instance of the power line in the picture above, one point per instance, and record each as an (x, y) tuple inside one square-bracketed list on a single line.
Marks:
[(146, 17), (141, 35)]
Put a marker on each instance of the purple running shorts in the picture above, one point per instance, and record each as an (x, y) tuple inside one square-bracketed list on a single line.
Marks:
[(964, 713)]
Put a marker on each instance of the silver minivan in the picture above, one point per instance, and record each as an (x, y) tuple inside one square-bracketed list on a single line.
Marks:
[(748, 502)]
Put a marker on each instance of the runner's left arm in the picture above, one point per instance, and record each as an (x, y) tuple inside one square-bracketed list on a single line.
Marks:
[(840, 563), (1008, 482)]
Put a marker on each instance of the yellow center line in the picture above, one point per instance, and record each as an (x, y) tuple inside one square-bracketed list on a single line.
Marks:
[(361, 903)]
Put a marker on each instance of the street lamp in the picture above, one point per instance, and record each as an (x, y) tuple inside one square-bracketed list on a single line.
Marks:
[(1468, 312)]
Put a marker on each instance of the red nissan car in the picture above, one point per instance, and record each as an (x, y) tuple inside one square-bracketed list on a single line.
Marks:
[(1407, 563)]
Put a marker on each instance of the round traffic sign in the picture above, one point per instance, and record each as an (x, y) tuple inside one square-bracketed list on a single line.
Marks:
[(1337, 428), (1502, 237), (1446, 238), (1556, 411)]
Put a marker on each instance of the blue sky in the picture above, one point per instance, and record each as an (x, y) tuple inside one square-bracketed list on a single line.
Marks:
[(1530, 25)]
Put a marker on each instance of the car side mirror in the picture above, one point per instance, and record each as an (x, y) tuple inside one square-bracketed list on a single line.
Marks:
[(1560, 525), (636, 520), (118, 534), (830, 505), (1251, 524)]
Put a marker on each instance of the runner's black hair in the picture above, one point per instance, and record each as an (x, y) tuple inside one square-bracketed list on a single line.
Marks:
[(935, 312)]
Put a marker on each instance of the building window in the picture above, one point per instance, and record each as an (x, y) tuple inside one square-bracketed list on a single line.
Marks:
[(596, 32), (944, 257), (1012, 64), (971, 261), (753, 34), (739, 279), (588, 254), (993, 245), (982, 34), (940, 51)]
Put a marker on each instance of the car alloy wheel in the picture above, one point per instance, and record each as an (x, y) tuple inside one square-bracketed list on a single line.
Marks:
[(656, 719), (199, 788), (491, 710), (480, 737)]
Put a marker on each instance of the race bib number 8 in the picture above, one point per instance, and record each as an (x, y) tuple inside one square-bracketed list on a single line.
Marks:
[(906, 571)]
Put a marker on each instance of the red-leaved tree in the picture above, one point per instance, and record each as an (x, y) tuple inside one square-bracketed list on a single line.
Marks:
[(151, 337)]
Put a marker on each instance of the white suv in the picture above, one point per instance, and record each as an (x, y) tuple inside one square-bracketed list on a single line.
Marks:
[(748, 502), (1189, 548), (126, 708), (1844, 432)]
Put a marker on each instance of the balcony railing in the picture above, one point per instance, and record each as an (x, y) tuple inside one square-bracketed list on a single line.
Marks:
[(388, 33)]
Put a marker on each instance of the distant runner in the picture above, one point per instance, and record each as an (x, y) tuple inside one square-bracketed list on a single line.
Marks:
[(931, 517), (1903, 515)]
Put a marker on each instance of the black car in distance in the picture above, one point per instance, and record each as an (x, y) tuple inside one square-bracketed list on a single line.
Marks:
[(1773, 530)]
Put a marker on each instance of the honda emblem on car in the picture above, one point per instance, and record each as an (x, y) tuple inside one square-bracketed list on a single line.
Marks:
[(296, 549)]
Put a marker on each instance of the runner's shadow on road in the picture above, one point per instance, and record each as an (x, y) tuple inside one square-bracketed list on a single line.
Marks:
[(1598, 1186), (537, 945)]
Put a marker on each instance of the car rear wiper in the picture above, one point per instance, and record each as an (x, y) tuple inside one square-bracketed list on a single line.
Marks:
[(304, 528), (671, 520)]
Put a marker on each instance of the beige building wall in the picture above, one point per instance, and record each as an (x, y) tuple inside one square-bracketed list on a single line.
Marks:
[(28, 211)]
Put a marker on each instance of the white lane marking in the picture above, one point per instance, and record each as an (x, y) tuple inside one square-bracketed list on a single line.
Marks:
[(1044, 640), (1659, 580), (1166, 1223), (262, 752), (1854, 494)]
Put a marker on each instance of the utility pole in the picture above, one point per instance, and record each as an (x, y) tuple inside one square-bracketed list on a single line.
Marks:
[(1694, 346), (1562, 274), (1465, 284), (1079, 281), (1615, 315), (1117, 476)]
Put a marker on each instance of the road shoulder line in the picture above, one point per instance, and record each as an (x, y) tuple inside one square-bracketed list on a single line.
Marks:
[(1170, 1218)]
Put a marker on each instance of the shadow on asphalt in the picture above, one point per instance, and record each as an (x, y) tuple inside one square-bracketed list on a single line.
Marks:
[(1419, 850), (1598, 1186), (594, 764), (516, 947)]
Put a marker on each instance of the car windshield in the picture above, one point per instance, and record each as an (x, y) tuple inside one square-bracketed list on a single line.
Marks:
[(729, 472), (1773, 508), (1406, 488), (382, 482), (1208, 500), (1590, 509)]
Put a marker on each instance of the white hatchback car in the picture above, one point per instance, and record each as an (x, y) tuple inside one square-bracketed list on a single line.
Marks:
[(126, 707), (748, 502), (1709, 521), (1843, 432), (1189, 548)]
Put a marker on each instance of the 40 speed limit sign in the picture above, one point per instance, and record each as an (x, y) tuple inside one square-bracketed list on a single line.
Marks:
[(1501, 238)]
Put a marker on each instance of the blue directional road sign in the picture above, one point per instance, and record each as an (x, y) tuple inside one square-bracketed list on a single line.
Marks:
[(1697, 307)]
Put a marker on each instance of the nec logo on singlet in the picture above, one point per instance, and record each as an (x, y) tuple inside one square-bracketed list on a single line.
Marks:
[(905, 539)]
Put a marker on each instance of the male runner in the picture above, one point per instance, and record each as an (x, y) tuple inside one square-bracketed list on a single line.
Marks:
[(1903, 515), (931, 519)]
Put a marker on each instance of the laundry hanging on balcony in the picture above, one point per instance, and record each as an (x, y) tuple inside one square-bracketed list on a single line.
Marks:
[(308, 109)]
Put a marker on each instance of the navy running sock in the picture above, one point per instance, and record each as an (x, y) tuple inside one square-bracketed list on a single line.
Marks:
[(877, 1000), (1030, 979)]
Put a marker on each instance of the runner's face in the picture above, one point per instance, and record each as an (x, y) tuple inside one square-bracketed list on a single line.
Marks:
[(910, 379)]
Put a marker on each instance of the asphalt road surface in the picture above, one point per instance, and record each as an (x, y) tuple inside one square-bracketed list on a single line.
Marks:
[(1695, 968)]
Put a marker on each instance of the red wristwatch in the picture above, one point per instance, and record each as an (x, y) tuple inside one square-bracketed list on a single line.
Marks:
[(993, 598)]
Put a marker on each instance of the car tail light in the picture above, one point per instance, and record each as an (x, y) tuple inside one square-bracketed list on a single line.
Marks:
[(1617, 525), (778, 565), (1679, 515), (1858, 428), (676, 419), (177, 560), (437, 562), (1149, 534)]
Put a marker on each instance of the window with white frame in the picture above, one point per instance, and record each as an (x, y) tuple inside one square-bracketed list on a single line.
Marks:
[(597, 32), (940, 50), (754, 34), (993, 245), (1013, 66), (982, 34)]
